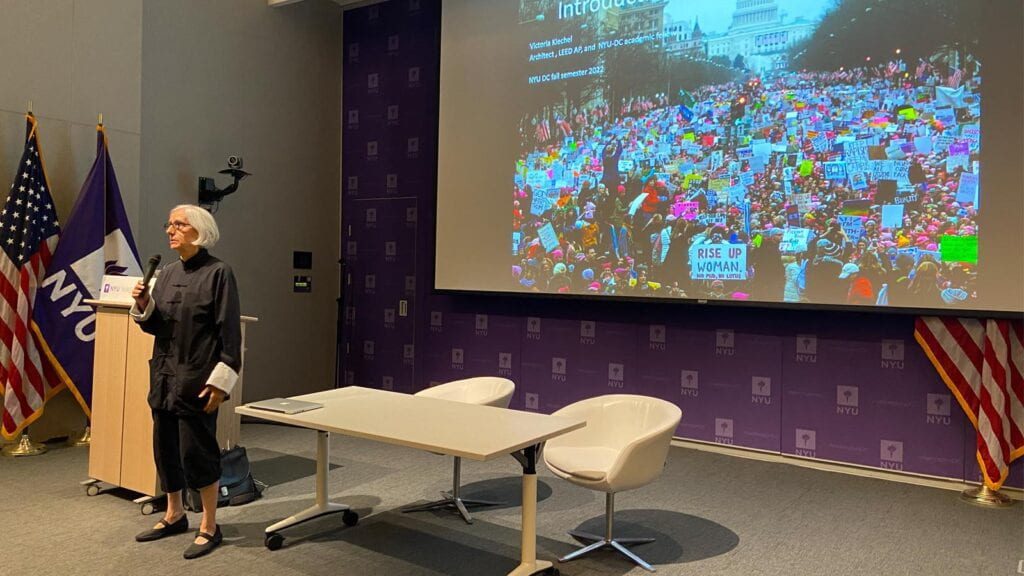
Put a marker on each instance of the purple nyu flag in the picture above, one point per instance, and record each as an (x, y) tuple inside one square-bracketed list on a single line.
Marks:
[(97, 240)]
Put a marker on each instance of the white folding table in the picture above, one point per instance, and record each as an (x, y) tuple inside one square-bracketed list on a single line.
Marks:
[(440, 426)]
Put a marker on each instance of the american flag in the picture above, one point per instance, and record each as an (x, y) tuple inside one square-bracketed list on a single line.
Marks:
[(543, 131), (981, 361), (28, 235), (955, 78)]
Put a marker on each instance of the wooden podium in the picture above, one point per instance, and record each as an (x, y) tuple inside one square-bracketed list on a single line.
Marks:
[(121, 449)]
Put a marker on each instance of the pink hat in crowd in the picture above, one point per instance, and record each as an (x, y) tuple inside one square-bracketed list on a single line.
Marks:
[(933, 246), (557, 255), (594, 286)]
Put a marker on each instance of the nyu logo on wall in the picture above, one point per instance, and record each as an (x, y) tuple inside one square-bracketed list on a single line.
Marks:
[(393, 43), (387, 382), (892, 354), (368, 349), (353, 184), (533, 328), (504, 364), (370, 284), (806, 348), (558, 368), (352, 250), (725, 343), (373, 12), (393, 115), (410, 217), (761, 390), (389, 317), (891, 455), (390, 251), (371, 150), (806, 443), (656, 337), (353, 52), (436, 321), (353, 119), (588, 332), (937, 410), (408, 354), (689, 384), (350, 378), (532, 401), (414, 77), (350, 315), (847, 400), (458, 360), (391, 183), (414, 5), (372, 83), (616, 376), (410, 284), (480, 325), (371, 218), (723, 431), (412, 147)]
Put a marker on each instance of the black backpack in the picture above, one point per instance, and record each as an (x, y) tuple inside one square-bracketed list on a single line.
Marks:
[(237, 486)]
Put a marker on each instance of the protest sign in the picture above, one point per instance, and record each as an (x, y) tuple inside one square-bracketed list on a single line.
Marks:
[(892, 215), (967, 191), (853, 226), (795, 240), (959, 249), (835, 170), (718, 262), (548, 238)]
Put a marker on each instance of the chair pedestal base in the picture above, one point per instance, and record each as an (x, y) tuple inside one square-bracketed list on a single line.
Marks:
[(618, 544), (455, 502)]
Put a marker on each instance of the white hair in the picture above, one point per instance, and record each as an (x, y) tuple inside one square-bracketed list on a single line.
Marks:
[(200, 219)]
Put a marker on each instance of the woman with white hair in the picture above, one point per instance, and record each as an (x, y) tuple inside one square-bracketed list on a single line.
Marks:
[(193, 314)]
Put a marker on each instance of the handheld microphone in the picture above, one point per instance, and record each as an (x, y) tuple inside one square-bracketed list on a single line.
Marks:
[(154, 261)]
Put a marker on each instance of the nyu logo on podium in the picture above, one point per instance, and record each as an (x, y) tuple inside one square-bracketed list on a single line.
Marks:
[(723, 431), (806, 441), (370, 284), (532, 401), (847, 400), (892, 354), (436, 321), (725, 343), (892, 455), (390, 251), (807, 348), (458, 362), (657, 337), (558, 368), (761, 390), (689, 384), (387, 382), (480, 325), (368, 349), (616, 376), (937, 409), (389, 318), (533, 328), (408, 354), (505, 364), (588, 332)]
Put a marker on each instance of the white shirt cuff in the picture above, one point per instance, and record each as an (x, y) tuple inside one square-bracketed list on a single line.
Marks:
[(142, 316), (223, 378)]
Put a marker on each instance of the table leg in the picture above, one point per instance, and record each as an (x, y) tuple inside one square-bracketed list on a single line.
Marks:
[(322, 506), (528, 563)]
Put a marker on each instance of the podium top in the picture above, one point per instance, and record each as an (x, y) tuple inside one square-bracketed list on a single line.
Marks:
[(122, 305)]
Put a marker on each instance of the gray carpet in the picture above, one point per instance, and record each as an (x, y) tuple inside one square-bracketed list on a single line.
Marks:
[(712, 515)]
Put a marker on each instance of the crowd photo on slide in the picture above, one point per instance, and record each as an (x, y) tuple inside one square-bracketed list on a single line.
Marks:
[(762, 156)]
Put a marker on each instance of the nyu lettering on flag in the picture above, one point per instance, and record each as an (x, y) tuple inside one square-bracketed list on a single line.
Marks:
[(96, 241), (28, 235), (981, 362)]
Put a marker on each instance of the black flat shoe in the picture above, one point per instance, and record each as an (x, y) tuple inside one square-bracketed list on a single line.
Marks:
[(212, 541), (165, 529)]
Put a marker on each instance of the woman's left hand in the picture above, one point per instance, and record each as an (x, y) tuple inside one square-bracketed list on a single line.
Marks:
[(214, 397)]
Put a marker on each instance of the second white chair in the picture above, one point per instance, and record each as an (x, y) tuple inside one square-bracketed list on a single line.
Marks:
[(481, 390)]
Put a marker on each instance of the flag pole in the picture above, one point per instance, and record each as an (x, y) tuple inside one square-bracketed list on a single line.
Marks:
[(24, 447), (84, 439), (986, 497)]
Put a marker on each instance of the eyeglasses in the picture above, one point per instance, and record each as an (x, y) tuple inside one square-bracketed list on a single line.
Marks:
[(178, 225)]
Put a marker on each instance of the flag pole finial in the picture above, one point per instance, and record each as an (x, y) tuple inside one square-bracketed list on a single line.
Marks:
[(100, 121)]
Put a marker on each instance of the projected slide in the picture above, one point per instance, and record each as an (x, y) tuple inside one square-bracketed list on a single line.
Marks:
[(799, 151)]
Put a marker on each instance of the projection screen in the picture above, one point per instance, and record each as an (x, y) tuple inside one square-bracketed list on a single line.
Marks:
[(800, 152)]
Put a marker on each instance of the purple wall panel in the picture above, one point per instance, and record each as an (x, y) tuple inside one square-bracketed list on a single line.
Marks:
[(829, 385)]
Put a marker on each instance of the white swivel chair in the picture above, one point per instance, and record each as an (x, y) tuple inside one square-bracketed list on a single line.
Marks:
[(623, 446), (482, 390)]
